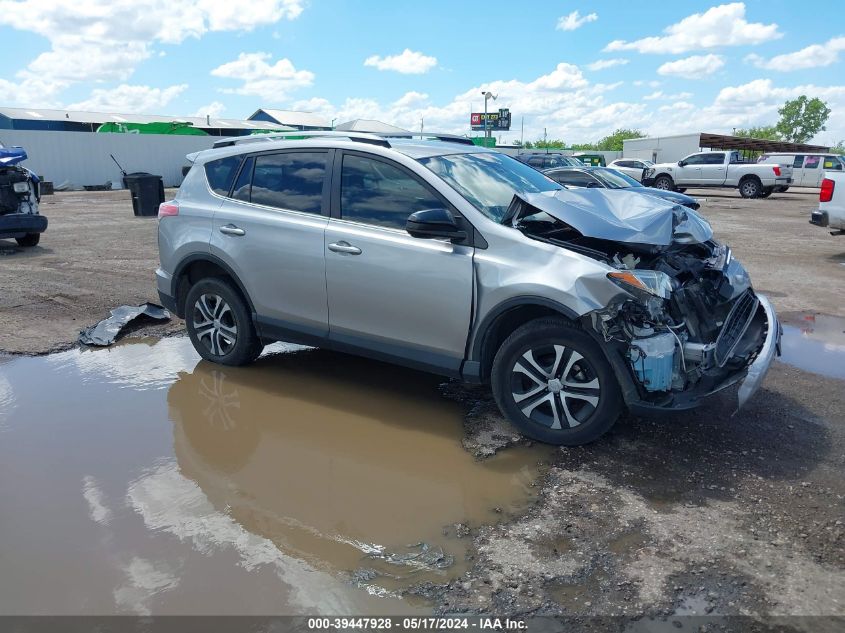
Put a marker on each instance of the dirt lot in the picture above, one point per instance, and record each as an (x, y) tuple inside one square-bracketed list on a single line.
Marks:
[(694, 513)]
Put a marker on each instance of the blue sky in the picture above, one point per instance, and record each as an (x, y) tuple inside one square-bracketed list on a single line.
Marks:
[(576, 69)]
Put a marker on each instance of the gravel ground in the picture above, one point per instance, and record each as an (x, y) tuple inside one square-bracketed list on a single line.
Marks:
[(701, 512)]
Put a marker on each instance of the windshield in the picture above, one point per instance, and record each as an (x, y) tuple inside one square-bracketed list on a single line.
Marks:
[(613, 179), (489, 180)]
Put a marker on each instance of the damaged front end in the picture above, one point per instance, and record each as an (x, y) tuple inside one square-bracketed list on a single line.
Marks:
[(688, 323)]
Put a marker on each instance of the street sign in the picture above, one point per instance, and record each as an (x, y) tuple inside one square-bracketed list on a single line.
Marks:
[(496, 121)]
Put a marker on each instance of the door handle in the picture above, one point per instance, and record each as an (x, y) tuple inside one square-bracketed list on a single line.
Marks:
[(345, 248), (231, 229)]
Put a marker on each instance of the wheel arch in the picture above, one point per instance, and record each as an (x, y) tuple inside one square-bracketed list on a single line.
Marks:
[(200, 265), (502, 320)]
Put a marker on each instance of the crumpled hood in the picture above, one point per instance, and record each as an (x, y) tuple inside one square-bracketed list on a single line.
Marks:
[(622, 216)]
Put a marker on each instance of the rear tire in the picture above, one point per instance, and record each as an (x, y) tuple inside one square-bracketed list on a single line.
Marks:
[(680, 189), (750, 188), (767, 191), (219, 323), (665, 183), (30, 239), (553, 382)]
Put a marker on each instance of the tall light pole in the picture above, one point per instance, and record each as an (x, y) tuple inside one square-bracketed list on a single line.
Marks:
[(487, 95)]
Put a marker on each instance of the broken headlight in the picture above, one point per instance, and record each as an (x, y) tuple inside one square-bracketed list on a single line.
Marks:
[(643, 283)]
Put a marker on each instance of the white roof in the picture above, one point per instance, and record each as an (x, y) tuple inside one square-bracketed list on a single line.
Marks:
[(370, 125), (295, 118), (96, 118)]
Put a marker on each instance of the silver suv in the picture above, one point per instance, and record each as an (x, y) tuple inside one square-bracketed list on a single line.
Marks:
[(573, 304)]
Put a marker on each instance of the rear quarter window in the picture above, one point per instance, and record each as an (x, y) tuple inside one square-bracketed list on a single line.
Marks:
[(221, 174)]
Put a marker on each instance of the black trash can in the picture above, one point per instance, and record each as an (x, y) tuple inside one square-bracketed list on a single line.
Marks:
[(147, 191)]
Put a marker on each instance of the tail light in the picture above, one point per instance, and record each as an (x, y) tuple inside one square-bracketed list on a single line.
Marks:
[(776, 169), (168, 208), (826, 193)]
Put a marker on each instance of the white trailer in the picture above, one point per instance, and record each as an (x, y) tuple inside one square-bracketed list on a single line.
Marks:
[(662, 149)]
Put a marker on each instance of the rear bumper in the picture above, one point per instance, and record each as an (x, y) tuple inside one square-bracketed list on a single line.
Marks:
[(166, 292), (21, 224)]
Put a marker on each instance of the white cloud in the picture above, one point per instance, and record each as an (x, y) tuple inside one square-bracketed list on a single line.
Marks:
[(270, 81), (408, 62), (574, 21), (105, 40), (130, 99), (651, 84), (659, 94), (601, 64), (693, 67), (813, 56), (410, 99), (723, 25), (214, 109)]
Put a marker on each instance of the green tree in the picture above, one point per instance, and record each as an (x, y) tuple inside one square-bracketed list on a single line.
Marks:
[(584, 147), (548, 144), (802, 118), (839, 148), (765, 132), (613, 142)]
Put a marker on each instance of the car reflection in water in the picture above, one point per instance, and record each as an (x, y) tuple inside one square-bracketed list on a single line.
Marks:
[(334, 458)]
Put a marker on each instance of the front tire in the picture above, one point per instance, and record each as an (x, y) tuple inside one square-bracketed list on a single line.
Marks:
[(553, 382), (28, 240), (750, 188), (665, 183), (219, 323)]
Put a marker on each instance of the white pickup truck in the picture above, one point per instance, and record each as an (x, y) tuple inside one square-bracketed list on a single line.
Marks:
[(721, 169), (831, 213)]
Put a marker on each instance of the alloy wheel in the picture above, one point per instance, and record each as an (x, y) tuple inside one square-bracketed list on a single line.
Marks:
[(555, 386), (214, 324)]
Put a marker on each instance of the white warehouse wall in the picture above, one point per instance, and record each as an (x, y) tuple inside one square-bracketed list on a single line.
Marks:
[(82, 158)]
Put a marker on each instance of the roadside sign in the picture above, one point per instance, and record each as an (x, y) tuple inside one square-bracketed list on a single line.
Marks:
[(496, 121)]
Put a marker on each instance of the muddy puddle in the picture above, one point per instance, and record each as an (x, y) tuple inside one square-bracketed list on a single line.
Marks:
[(139, 479), (814, 342)]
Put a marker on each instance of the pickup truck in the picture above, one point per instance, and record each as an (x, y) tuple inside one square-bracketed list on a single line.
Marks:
[(831, 213), (721, 169)]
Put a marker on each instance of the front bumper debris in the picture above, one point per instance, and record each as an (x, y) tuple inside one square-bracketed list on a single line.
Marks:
[(771, 348), (819, 218), (20, 224)]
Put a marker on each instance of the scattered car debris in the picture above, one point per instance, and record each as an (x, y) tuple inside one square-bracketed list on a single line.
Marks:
[(106, 331), (421, 556)]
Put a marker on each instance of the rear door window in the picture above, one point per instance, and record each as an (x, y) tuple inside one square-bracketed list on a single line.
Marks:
[(812, 162), (221, 173), (243, 184), (290, 180)]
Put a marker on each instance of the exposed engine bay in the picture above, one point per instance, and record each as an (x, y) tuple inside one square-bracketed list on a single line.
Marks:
[(19, 191), (692, 324)]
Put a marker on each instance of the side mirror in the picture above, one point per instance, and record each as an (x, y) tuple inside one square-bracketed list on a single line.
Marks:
[(681, 163), (434, 223)]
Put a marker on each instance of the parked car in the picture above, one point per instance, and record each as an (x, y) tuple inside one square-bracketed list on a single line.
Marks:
[(722, 169), (635, 168), (19, 197), (612, 179), (807, 169), (831, 212), (573, 304), (545, 160)]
